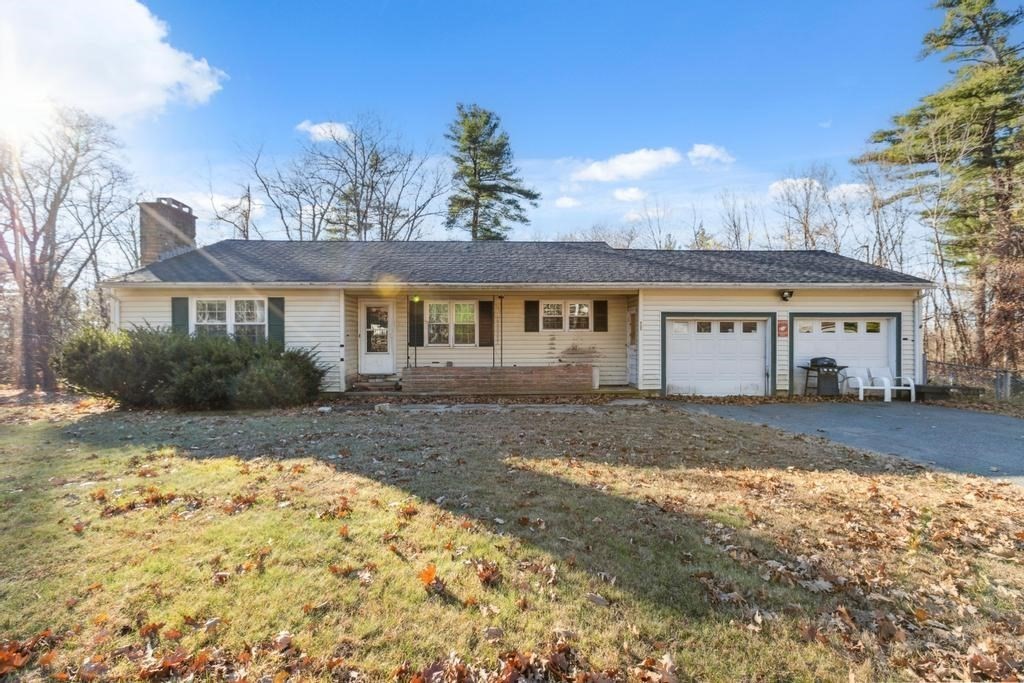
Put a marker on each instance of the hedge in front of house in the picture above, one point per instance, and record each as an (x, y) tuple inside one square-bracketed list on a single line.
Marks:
[(151, 368)]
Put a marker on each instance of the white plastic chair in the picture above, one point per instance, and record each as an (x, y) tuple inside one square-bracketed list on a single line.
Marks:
[(858, 379), (884, 377)]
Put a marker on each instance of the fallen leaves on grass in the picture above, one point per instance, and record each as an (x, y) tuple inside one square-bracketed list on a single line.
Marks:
[(341, 509), (488, 572), (150, 497), (432, 583), (238, 503), (16, 654)]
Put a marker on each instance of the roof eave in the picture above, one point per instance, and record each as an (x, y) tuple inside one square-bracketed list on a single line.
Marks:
[(521, 285)]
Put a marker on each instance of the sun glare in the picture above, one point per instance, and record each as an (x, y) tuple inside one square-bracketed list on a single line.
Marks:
[(24, 108)]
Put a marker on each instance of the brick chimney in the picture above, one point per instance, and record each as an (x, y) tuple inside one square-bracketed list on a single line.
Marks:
[(166, 227)]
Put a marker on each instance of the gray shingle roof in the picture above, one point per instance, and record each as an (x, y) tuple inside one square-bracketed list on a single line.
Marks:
[(500, 263)]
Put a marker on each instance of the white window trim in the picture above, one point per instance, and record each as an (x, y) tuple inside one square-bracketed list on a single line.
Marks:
[(229, 302), (590, 315), (451, 323), (540, 322), (565, 315)]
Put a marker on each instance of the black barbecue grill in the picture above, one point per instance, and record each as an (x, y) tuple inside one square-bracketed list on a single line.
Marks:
[(825, 372)]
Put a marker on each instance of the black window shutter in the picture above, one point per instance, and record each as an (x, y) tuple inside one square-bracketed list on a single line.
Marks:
[(275, 320), (486, 309), (600, 316), (532, 313), (415, 323), (179, 314)]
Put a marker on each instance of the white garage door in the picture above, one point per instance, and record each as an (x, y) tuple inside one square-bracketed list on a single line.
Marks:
[(716, 357), (857, 342)]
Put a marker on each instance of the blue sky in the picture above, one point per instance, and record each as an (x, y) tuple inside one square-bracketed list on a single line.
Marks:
[(769, 87)]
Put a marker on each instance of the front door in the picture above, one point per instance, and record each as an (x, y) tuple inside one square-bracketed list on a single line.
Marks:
[(377, 340)]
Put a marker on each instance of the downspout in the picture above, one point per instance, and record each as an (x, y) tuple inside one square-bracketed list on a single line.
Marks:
[(501, 328), (919, 368), (492, 331)]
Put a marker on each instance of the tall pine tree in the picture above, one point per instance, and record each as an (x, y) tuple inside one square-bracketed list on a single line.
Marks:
[(965, 144), (487, 192)]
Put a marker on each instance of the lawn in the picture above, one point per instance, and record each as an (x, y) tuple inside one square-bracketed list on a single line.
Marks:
[(627, 543)]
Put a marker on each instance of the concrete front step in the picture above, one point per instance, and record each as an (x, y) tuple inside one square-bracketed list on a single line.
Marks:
[(376, 383)]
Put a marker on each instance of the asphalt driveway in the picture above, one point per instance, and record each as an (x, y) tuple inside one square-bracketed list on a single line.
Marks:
[(947, 438)]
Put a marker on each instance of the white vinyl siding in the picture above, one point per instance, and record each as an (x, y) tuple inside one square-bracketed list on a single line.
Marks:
[(312, 318), (656, 301), (604, 350)]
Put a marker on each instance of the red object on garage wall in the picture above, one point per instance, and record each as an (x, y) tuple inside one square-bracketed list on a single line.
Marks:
[(783, 328)]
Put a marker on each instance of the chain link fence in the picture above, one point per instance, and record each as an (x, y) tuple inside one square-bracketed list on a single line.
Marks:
[(1002, 385)]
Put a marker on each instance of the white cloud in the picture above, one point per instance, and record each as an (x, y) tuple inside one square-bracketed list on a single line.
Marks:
[(567, 202), (703, 154), (825, 124), (629, 194), (781, 187), (848, 191), (629, 166), (325, 130), (108, 57)]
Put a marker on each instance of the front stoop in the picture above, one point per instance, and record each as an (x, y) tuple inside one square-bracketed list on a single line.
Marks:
[(553, 379), (376, 383)]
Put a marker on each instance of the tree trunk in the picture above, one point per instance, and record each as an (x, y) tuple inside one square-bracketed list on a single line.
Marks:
[(28, 336), (980, 302)]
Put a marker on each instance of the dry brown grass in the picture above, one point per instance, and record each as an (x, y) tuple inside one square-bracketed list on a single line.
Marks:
[(631, 534)]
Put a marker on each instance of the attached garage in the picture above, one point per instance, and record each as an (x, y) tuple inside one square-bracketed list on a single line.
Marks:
[(718, 356), (856, 341)]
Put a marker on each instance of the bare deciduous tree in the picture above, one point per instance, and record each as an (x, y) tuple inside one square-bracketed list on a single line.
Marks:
[(739, 218), (303, 196), (387, 190), (653, 221), (60, 195), (623, 237), (360, 183), (815, 211), (240, 214), (887, 214)]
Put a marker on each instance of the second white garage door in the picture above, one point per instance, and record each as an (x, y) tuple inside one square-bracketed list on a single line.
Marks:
[(854, 341), (716, 357)]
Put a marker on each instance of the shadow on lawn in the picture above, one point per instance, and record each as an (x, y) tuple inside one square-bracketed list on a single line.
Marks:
[(489, 467), (484, 466)]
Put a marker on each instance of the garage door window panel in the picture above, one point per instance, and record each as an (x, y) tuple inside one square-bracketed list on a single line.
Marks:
[(703, 327), (873, 327), (828, 327), (726, 327), (750, 327)]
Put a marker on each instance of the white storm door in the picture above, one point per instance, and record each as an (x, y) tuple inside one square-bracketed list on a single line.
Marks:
[(631, 354), (377, 338)]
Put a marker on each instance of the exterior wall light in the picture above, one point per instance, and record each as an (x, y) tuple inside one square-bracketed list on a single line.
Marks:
[(786, 294)]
